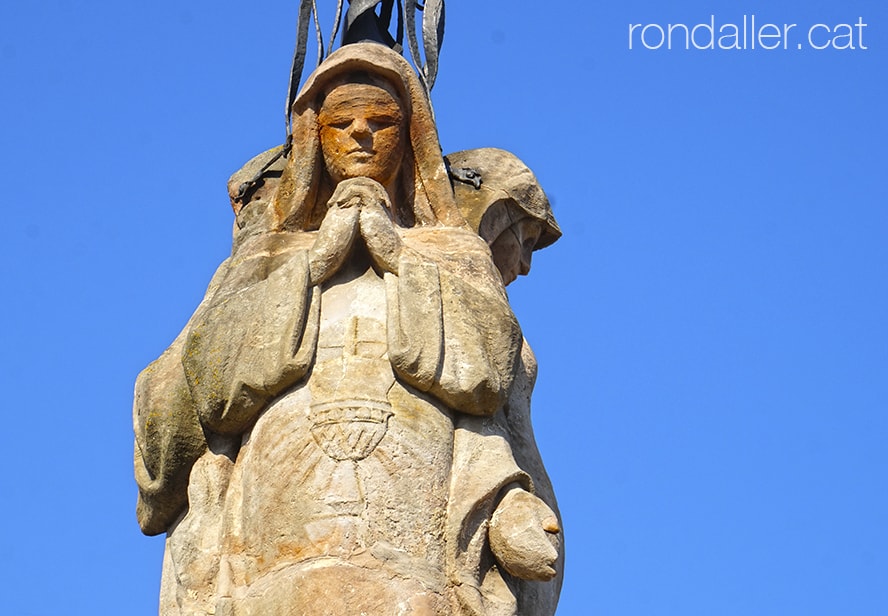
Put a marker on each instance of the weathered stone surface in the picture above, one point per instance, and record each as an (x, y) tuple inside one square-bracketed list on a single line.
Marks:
[(343, 427), (512, 214)]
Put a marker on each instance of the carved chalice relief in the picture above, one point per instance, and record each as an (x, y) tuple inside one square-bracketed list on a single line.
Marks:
[(349, 430)]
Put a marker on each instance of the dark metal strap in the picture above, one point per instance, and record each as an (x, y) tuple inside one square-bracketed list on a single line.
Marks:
[(320, 37), (432, 38), (466, 175), (302, 21), (336, 22), (246, 188)]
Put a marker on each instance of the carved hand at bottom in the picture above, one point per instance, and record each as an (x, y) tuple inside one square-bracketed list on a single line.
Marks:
[(334, 240), (379, 234), (524, 536)]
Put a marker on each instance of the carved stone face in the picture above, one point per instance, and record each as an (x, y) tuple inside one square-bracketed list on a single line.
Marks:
[(512, 250), (362, 133)]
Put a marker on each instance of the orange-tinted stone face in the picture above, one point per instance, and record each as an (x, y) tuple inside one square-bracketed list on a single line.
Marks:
[(362, 133)]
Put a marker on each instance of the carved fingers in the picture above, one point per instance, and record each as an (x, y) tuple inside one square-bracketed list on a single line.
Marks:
[(357, 192), (378, 231), (335, 237), (525, 536), (357, 205)]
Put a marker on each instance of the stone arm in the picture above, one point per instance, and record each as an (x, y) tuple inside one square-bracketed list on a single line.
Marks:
[(451, 330), (533, 597), (256, 336), (251, 337), (335, 238), (168, 435)]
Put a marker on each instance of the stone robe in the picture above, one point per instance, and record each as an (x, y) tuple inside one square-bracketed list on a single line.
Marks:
[(306, 446)]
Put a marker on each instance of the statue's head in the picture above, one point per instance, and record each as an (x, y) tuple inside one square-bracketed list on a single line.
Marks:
[(362, 129), (509, 209), (364, 113)]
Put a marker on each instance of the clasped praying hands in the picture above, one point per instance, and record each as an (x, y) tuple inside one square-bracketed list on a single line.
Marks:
[(359, 206)]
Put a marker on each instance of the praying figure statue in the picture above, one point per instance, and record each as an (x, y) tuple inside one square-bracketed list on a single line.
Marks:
[(343, 426)]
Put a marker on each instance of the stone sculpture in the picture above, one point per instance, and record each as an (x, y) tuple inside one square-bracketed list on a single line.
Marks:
[(343, 425)]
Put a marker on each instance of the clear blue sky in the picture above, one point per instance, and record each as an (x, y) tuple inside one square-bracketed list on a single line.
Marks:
[(712, 329)]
